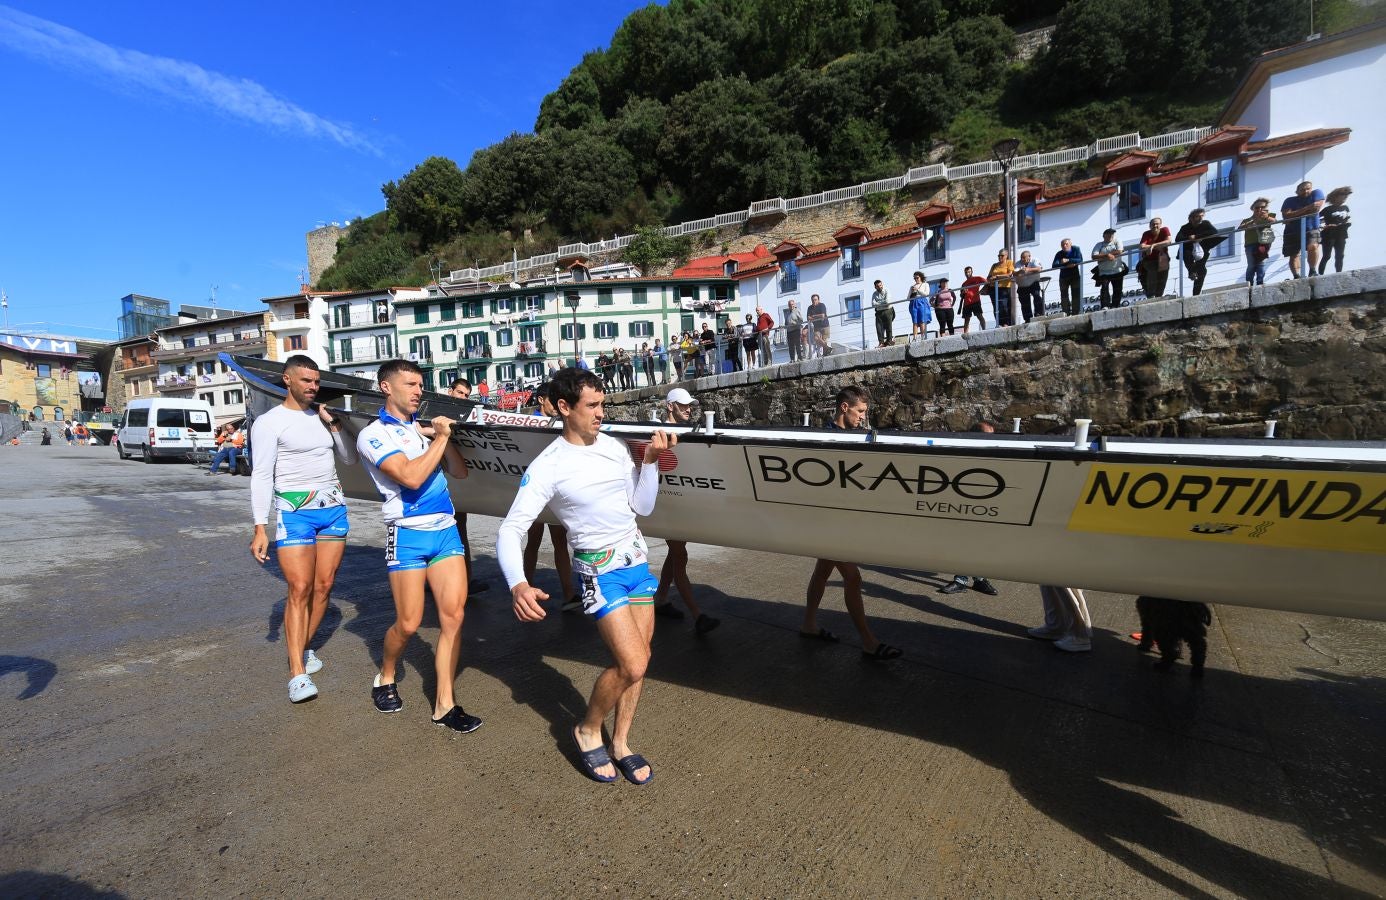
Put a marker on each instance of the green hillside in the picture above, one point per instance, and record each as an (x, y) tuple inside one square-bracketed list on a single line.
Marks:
[(704, 106)]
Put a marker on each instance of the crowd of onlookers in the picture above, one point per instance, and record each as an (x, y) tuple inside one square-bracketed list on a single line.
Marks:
[(1314, 225)]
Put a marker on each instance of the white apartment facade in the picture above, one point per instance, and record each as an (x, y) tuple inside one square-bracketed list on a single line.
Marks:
[(188, 365)]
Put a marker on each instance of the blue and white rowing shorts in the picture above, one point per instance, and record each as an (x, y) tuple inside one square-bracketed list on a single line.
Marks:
[(305, 527), (615, 577), (414, 548)]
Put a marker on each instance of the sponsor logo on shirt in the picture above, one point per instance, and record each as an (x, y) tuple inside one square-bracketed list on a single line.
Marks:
[(375, 444)]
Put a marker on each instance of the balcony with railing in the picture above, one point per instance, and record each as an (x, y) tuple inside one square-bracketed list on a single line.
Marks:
[(291, 320), (476, 351), (530, 349), (242, 341), (1220, 190)]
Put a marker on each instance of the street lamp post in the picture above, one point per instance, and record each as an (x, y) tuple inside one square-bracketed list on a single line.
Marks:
[(1004, 151)]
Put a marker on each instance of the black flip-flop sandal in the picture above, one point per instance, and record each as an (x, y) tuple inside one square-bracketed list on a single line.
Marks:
[(883, 652), (630, 764), (822, 634)]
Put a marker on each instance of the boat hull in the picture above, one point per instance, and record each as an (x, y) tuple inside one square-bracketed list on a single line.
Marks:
[(1296, 534)]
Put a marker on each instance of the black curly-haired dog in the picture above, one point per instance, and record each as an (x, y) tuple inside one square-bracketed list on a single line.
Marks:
[(1168, 623)]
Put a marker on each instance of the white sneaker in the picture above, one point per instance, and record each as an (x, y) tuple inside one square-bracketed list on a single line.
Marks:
[(301, 688), (1073, 644), (311, 664), (1044, 634)]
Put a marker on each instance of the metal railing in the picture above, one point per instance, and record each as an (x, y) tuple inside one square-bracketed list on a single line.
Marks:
[(917, 175), (1218, 190)]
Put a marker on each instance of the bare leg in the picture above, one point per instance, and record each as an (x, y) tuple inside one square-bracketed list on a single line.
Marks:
[(562, 561), (675, 572), (448, 580), (298, 565), (851, 592), (325, 575), (625, 706), (408, 588), (818, 582), (631, 655)]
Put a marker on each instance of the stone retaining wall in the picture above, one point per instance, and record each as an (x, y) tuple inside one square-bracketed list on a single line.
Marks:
[(1309, 353)]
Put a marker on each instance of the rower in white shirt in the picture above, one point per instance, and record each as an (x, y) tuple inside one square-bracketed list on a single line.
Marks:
[(591, 482)]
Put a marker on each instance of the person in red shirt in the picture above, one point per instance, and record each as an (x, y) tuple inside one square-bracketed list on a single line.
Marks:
[(972, 300), (764, 325), (1154, 264)]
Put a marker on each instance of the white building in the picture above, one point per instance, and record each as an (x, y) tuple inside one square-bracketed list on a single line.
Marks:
[(188, 364), (361, 328), (297, 323)]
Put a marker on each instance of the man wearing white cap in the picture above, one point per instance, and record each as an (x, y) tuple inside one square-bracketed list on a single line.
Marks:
[(678, 410)]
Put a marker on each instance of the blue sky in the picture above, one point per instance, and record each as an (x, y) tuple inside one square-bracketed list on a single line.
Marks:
[(164, 148)]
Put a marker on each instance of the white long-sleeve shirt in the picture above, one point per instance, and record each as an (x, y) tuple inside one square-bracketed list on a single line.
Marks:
[(291, 451), (595, 492)]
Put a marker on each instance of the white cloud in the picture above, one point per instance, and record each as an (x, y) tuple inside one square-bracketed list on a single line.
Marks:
[(61, 47)]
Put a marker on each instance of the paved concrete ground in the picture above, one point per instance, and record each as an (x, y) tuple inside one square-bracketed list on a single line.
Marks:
[(149, 750)]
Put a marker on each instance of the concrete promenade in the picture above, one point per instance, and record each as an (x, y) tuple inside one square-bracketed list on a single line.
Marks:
[(148, 748)]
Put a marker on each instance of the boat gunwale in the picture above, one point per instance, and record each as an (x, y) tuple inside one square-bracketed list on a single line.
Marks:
[(1043, 448)]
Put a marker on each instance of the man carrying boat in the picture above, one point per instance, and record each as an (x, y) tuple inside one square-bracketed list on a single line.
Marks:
[(593, 485), (294, 476), (422, 545), (851, 407), (678, 410)]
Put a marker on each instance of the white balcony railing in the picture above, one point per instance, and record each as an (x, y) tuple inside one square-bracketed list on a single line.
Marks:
[(917, 175)]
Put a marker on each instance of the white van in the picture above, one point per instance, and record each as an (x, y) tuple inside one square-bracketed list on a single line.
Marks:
[(164, 427)]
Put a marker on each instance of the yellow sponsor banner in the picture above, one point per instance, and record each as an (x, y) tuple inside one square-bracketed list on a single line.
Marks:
[(1317, 510)]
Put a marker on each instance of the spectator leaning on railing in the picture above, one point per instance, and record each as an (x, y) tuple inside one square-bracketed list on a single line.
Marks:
[(944, 300), (1027, 282), (1111, 270), (1336, 219), (885, 315), (999, 286), (1258, 236), (818, 318), (972, 300), (920, 310), (1069, 262), (764, 325), (1193, 238), (794, 331), (1300, 214), (1154, 264)]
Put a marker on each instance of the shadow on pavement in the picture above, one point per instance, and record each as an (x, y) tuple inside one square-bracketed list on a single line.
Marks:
[(25, 885), (1083, 753), (38, 671)]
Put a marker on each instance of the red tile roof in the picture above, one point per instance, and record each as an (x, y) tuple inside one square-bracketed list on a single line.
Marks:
[(852, 233), (1130, 165), (715, 265), (934, 213), (1227, 141), (787, 249), (1299, 142), (1176, 171)]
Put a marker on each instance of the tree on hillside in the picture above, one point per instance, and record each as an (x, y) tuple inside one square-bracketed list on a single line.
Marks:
[(507, 184), (576, 103), (590, 176), (725, 143), (428, 201)]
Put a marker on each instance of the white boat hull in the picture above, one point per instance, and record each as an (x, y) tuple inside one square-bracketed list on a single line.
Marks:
[(1269, 531)]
